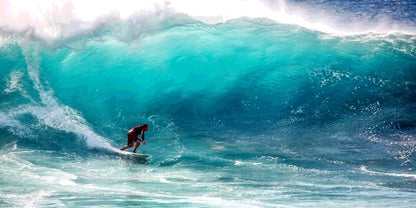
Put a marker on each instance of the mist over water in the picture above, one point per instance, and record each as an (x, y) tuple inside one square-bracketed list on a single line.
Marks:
[(249, 103)]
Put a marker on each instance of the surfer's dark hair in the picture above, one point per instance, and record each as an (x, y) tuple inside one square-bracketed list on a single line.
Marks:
[(145, 125)]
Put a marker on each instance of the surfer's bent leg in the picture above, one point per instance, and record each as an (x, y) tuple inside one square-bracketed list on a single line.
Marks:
[(130, 141), (137, 145)]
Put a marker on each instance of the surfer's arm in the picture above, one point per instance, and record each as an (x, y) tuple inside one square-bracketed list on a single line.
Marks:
[(142, 140)]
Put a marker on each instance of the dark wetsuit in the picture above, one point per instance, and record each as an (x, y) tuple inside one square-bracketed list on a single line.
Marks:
[(133, 133)]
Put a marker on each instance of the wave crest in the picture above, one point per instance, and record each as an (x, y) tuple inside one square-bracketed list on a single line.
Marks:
[(56, 20)]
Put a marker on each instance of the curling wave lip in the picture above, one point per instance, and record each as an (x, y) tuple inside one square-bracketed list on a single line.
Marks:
[(64, 19)]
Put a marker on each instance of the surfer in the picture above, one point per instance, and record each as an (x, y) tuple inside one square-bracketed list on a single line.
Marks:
[(133, 134)]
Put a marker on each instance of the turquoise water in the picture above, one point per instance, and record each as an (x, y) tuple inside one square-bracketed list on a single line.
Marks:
[(245, 113)]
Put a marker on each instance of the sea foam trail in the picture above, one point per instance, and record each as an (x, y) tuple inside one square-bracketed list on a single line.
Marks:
[(249, 112), (401, 175), (49, 111)]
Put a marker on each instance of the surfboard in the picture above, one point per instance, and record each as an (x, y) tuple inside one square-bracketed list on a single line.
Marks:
[(132, 153), (140, 155)]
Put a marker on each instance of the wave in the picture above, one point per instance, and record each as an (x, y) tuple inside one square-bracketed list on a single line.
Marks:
[(53, 21), (279, 82), (401, 175), (43, 105), (258, 102)]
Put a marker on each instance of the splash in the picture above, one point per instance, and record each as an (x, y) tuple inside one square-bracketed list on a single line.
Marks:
[(55, 20), (236, 101), (48, 111)]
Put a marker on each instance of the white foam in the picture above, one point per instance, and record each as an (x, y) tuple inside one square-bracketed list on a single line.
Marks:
[(23, 172), (14, 83), (49, 111), (56, 19), (13, 125), (401, 175)]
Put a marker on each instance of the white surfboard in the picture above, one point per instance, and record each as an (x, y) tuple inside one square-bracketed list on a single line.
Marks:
[(138, 154), (131, 153)]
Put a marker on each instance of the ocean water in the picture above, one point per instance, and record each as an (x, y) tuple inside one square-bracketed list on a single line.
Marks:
[(249, 103)]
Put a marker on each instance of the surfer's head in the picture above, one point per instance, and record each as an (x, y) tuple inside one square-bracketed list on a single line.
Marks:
[(145, 127)]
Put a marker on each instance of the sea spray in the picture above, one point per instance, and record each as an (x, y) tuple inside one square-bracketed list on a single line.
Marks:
[(247, 108)]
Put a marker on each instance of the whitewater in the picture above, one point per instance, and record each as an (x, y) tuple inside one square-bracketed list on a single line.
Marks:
[(250, 103)]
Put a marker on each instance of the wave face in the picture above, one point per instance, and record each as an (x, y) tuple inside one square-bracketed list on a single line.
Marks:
[(250, 112)]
